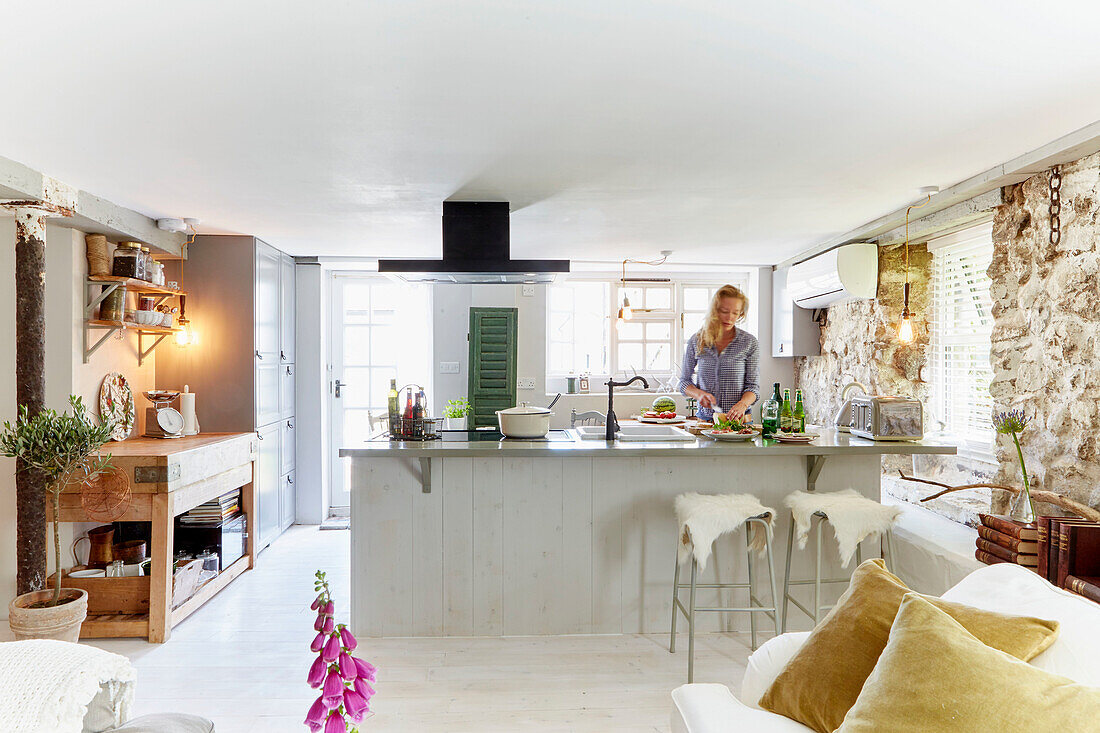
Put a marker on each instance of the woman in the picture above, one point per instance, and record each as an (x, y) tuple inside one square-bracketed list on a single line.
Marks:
[(725, 357)]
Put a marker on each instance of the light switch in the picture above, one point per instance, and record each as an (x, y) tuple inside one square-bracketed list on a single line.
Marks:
[(526, 383), (448, 367)]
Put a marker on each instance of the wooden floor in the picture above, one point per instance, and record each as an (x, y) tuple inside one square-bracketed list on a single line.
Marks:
[(242, 660)]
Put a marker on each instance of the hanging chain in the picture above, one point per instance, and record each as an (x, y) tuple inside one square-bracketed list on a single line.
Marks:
[(1055, 204)]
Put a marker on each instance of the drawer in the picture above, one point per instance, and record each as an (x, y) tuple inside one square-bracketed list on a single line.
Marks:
[(286, 390), (287, 499), (286, 450)]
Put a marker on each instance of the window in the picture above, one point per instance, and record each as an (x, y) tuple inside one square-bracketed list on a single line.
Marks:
[(962, 323), (582, 334)]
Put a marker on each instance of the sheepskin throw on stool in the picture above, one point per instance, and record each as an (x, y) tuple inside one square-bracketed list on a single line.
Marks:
[(704, 518), (852, 515)]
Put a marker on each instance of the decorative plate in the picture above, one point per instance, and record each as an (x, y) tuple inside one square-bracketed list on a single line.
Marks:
[(730, 436), (116, 405)]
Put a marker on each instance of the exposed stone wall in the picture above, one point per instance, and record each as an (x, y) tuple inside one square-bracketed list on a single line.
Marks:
[(1046, 333)]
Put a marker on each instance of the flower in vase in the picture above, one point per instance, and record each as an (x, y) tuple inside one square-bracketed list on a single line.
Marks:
[(1010, 423)]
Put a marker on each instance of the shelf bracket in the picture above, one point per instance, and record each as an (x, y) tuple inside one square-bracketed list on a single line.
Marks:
[(143, 353), (88, 351), (426, 475), (108, 288), (813, 470)]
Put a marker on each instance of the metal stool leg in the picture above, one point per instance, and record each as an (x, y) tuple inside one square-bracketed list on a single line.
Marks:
[(859, 554), (886, 548), (752, 586), (675, 610), (691, 624), (787, 572), (775, 598), (817, 573)]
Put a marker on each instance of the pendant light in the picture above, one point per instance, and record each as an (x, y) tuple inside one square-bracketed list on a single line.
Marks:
[(184, 336), (905, 326), (626, 312)]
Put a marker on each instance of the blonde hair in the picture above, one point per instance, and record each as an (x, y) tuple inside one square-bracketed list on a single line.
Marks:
[(711, 331)]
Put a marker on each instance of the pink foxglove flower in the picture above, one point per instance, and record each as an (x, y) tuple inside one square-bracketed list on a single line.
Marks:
[(366, 669), (329, 625), (319, 624), (316, 604), (355, 705), (333, 692), (348, 639), (318, 642), (336, 723), (330, 609), (363, 688), (317, 673), (348, 670), (318, 711), (332, 649)]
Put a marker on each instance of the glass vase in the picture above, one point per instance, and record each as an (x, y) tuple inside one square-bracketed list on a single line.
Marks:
[(1021, 510)]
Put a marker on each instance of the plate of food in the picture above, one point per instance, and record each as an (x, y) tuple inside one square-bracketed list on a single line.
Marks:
[(655, 416), (796, 437), (726, 429)]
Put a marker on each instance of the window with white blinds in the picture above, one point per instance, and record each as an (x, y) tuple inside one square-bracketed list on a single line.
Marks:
[(962, 323)]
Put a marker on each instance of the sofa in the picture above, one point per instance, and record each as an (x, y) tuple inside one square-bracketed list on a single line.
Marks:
[(1005, 588)]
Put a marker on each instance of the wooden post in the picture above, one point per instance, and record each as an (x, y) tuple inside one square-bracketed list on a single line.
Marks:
[(160, 570)]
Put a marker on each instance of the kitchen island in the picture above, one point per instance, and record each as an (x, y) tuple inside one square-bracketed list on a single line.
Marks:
[(567, 537)]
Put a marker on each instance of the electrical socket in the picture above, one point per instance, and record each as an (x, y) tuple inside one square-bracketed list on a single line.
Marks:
[(448, 367), (526, 383), (528, 289)]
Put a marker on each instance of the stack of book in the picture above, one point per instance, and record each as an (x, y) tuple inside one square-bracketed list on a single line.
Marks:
[(1069, 554), (214, 511), (1001, 539)]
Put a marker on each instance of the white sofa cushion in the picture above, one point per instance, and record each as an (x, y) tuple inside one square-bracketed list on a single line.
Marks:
[(766, 663), (1015, 590), (712, 708)]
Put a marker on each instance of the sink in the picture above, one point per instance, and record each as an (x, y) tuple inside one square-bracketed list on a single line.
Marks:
[(638, 433)]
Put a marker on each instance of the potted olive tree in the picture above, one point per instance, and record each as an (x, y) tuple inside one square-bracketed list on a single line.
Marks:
[(63, 448), (455, 413)]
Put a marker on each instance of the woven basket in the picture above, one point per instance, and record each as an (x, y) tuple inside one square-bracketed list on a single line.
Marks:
[(99, 259)]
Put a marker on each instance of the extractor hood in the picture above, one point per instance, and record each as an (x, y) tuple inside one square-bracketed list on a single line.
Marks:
[(476, 250)]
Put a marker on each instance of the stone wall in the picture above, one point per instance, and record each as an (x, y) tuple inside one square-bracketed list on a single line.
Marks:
[(1046, 333)]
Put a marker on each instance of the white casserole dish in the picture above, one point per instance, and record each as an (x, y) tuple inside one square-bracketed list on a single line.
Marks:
[(524, 421)]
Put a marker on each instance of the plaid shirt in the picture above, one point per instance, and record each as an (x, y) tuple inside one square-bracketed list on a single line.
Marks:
[(728, 375)]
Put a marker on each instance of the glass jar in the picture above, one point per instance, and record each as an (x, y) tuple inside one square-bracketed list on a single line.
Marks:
[(113, 307), (210, 560), (158, 270), (126, 260), (146, 265)]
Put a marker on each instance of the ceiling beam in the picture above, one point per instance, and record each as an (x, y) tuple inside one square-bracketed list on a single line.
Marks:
[(91, 214), (1077, 144)]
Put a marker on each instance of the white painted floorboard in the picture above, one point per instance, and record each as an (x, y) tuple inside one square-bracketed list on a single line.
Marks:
[(242, 660)]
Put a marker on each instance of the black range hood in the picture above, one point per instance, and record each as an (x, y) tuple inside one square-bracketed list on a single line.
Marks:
[(476, 250)]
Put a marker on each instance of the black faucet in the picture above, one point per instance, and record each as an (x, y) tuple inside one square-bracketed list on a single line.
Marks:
[(611, 423)]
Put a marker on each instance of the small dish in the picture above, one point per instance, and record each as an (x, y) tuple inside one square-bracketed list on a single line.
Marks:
[(732, 437), (796, 437), (89, 573)]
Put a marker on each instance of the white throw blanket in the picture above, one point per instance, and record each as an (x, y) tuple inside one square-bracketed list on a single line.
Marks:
[(45, 685), (853, 516), (705, 517)]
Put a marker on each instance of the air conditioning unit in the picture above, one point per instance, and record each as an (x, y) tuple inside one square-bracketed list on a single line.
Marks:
[(850, 271)]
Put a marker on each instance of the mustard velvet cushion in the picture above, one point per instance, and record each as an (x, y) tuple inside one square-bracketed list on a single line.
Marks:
[(937, 676), (822, 681)]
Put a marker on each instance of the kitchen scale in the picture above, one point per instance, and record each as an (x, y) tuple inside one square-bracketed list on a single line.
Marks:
[(162, 420)]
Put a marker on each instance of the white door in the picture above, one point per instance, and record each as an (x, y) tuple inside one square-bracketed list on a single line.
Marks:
[(381, 330)]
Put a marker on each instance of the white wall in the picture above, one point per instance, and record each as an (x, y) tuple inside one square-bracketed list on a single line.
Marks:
[(311, 394)]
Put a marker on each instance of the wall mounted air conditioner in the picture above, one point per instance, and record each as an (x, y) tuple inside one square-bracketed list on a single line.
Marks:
[(850, 271)]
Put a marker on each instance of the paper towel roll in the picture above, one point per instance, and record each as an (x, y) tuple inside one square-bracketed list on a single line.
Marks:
[(187, 409)]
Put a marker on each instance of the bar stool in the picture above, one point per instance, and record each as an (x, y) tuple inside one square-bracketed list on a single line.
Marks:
[(703, 518), (854, 518)]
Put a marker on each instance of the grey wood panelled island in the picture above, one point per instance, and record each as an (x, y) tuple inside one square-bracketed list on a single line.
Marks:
[(572, 537)]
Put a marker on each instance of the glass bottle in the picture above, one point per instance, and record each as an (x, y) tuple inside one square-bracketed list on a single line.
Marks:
[(391, 402), (786, 415), (799, 413), (769, 414), (146, 264)]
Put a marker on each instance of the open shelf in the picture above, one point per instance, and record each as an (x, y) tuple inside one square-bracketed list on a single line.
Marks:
[(137, 327), (138, 286)]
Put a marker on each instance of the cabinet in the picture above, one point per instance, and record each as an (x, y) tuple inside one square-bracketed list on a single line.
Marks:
[(242, 368)]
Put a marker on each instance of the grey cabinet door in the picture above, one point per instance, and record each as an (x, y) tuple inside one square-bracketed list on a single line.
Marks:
[(268, 390), (287, 497), (286, 391), (286, 309), (286, 449), (268, 487), (268, 269)]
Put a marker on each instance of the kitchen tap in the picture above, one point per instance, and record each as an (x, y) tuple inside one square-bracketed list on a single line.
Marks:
[(611, 423)]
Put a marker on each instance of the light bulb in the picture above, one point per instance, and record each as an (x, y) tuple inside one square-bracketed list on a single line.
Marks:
[(184, 335), (905, 330)]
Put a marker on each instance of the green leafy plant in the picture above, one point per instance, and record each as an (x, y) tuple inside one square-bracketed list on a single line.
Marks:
[(456, 408), (63, 448)]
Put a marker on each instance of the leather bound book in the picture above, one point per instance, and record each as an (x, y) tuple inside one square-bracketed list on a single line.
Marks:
[(1006, 554), (1056, 526), (1019, 530), (1078, 551), (1007, 540), (1042, 526), (1087, 587), (987, 558)]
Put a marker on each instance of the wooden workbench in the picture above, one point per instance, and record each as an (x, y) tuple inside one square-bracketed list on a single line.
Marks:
[(167, 478)]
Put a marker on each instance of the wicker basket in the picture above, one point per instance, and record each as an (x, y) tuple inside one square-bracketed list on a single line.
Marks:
[(99, 258)]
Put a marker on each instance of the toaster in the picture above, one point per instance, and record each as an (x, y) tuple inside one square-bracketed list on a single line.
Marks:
[(887, 418)]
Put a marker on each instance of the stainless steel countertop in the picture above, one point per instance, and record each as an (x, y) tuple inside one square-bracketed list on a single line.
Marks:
[(831, 443)]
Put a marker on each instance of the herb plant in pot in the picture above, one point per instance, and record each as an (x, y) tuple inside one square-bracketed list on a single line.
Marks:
[(62, 447), (455, 414)]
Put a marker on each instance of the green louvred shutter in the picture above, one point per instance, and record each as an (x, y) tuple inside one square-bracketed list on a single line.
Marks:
[(492, 363)]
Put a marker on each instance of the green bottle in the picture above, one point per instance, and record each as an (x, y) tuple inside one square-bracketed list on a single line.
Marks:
[(786, 417), (394, 410), (799, 414), (769, 414)]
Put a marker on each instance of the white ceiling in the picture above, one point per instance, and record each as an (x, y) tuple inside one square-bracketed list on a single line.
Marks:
[(730, 132)]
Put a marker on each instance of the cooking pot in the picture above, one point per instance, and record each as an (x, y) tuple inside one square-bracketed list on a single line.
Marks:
[(524, 421)]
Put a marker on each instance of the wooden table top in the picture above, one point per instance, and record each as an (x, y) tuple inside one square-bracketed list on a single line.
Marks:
[(157, 447)]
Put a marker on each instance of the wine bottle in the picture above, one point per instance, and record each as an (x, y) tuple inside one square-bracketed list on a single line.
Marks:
[(391, 403), (786, 416), (799, 413)]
